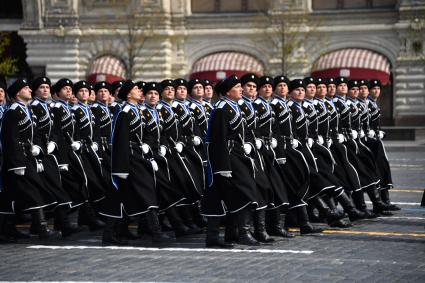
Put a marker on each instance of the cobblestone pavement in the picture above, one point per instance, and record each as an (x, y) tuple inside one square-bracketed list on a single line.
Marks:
[(390, 249)]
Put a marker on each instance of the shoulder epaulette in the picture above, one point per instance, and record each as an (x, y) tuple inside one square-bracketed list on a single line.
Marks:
[(126, 108), (257, 101), (159, 106), (274, 101), (221, 104), (290, 103), (175, 104), (14, 106), (35, 102), (241, 102), (193, 106)]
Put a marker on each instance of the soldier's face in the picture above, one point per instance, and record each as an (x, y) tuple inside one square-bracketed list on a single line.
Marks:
[(310, 91), (2, 95), (83, 95), (375, 92), (281, 90), (321, 91), (364, 91), (168, 93), (65, 93), (342, 89), (152, 97), (208, 92), (24, 94), (250, 90), (235, 93), (331, 90), (134, 95), (43, 91), (266, 91), (103, 95), (353, 92), (92, 96), (298, 94), (181, 92), (197, 91)]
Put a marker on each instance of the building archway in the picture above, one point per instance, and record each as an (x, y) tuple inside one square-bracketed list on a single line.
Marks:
[(358, 63), (217, 66), (106, 68)]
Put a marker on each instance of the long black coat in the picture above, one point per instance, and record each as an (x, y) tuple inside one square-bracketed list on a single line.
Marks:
[(28, 191), (74, 179), (42, 136), (226, 155)]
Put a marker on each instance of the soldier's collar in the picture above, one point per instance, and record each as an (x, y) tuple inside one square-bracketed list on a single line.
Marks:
[(231, 102), (280, 98), (165, 103), (150, 107), (41, 100), (308, 100), (63, 102), (371, 98), (246, 98), (340, 97), (296, 102)]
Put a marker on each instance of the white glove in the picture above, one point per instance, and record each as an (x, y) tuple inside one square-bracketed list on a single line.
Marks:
[(310, 142), (354, 134), (371, 134), (75, 145), (196, 140), (63, 168), (281, 161), (179, 147), (35, 150), (381, 134), (362, 134), (40, 167), (320, 140), (258, 143), (50, 147), (247, 148), (226, 174), (295, 143), (154, 165), (162, 150), (329, 142), (341, 138), (122, 176), (145, 148), (20, 172), (94, 146), (273, 143)]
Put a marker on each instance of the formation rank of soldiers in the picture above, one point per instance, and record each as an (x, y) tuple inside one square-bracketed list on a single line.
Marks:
[(269, 154)]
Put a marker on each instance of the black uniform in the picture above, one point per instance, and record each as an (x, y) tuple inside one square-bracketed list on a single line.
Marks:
[(27, 191), (227, 155)]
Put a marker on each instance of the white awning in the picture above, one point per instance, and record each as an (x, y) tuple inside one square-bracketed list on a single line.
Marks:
[(224, 61), (108, 65), (353, 58)]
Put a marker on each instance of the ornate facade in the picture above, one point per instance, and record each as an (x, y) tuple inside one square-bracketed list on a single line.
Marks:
[(157, 39)]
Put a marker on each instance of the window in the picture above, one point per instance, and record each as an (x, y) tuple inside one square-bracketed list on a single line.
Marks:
[(227, 6), (10, 10), (352, 4)]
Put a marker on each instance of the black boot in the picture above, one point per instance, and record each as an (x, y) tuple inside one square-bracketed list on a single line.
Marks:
[(87, 216), (330, 201), (213, 235), (323, 208), (260, 233), (44, 232), (305, 225), (157, 235), (231, 234), (142, 226), (109, 233), (5, 237), (188, 220), (348, 205), (10, 231), (176, 222), (359, 201), (62, 223), (123, 230), (385, 196), (275, 224), (245, 237), (378, 206)]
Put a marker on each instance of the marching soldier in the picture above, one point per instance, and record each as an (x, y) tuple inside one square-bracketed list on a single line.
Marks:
[(45, 142), (371, 126), (179, 171), (169, 194), (190, 140), (133, 171), (208, 95), (20, 169)]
